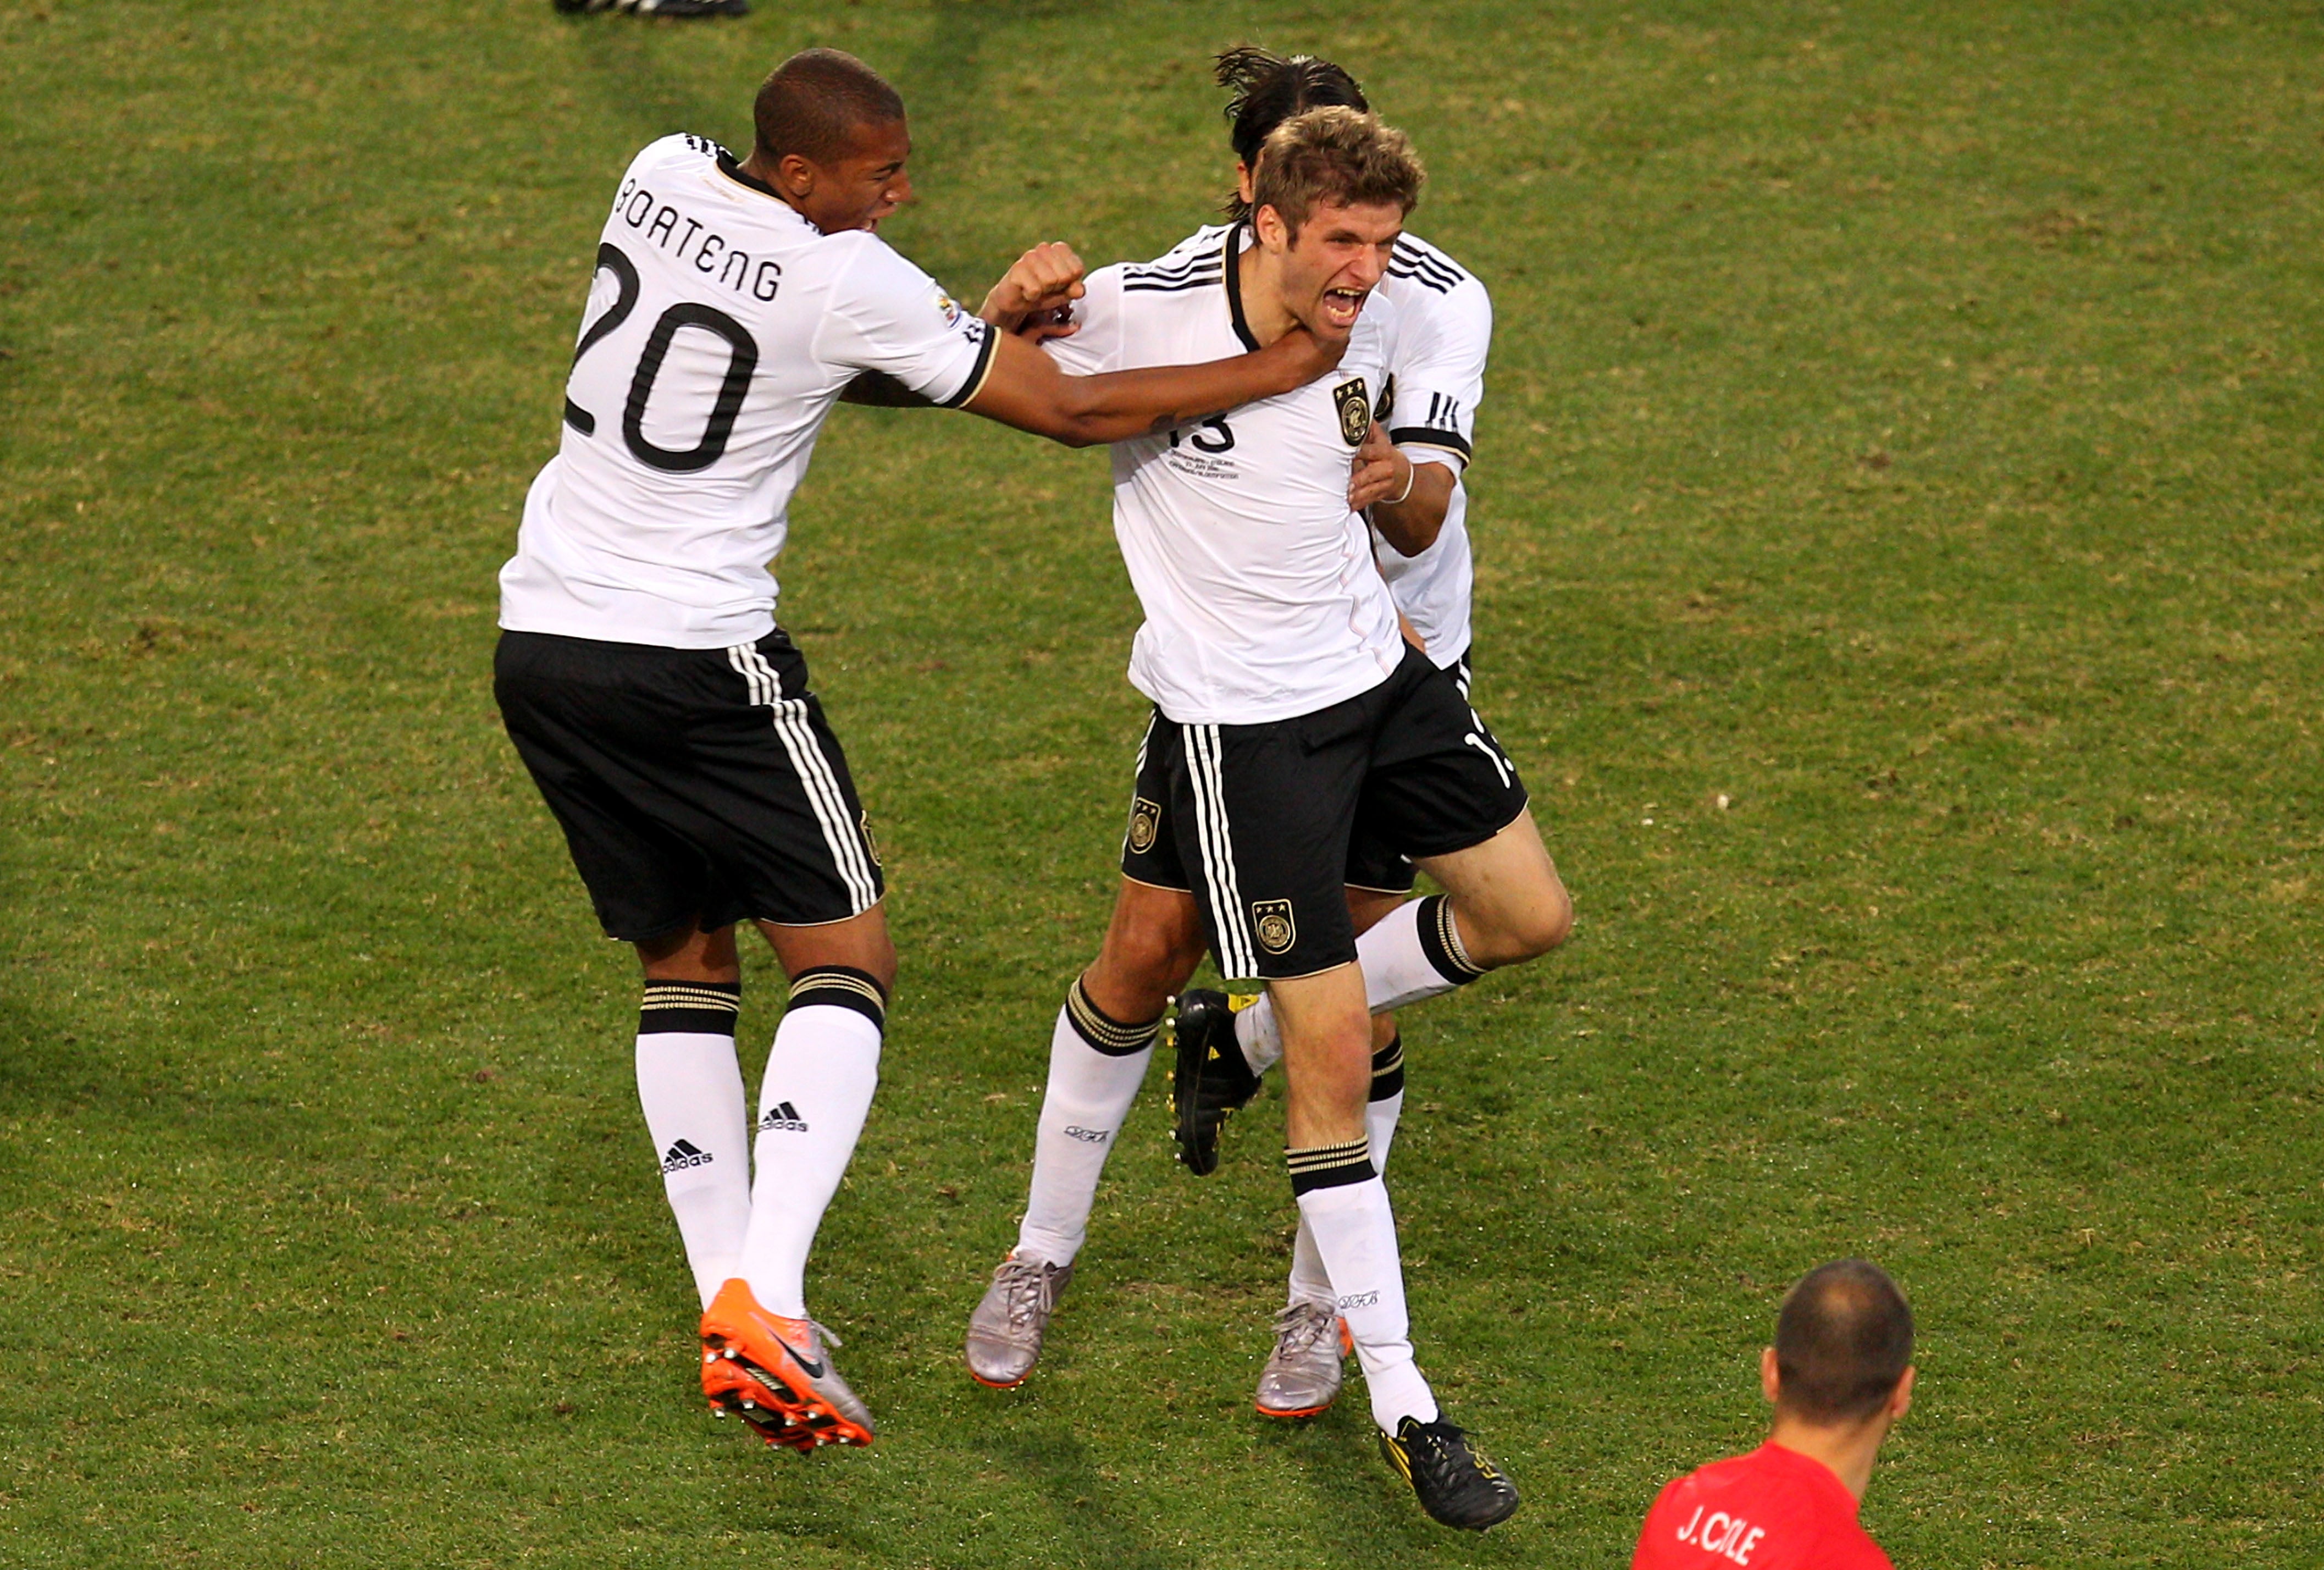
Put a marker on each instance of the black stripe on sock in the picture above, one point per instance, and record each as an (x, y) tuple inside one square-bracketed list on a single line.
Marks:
[(1103, 1033), (840, 986), (1329, 1166), (1440, 941), (694, 1008), (1388, 1070)]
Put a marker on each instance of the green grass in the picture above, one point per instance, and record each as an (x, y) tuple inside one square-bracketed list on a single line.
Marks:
[(1904, 423)]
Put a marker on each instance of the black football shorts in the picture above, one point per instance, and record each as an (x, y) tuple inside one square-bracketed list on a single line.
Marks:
[(1257, 821), (694, 786), (1373, 862)]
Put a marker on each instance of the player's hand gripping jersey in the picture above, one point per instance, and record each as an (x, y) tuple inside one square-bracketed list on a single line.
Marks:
[(1260, 596), (721, 328)]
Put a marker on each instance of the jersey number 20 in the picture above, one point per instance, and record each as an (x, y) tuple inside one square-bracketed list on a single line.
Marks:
[(742, 358)]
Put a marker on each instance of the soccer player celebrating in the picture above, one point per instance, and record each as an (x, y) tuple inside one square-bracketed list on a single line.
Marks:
[(1840, 1375), (668, 721), (1285, 705), (1421, 546)]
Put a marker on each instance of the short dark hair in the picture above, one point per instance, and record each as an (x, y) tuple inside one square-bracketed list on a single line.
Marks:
[(1345, 157), (813, 102), (1843, 1338), (1265, 89)]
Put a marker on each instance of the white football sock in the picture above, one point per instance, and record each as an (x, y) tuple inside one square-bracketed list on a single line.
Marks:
[(1410, 955), (1310, 1283), (1095, 1066), (691, 1089), (1355, 1232), (821, 1073)]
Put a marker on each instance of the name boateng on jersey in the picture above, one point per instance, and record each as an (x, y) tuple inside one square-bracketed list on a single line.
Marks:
[(721, 328), (1261, 599)]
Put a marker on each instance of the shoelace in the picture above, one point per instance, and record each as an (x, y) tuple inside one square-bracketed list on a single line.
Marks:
[(1028, 1284), (1300, 1326)]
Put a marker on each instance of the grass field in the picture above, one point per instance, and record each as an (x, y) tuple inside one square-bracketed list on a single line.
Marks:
[(1903, 425)]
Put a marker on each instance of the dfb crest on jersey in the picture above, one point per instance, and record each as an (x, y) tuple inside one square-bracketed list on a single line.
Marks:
[(1386, 404), (1145, 816), (1271, 919), (1355, 411)]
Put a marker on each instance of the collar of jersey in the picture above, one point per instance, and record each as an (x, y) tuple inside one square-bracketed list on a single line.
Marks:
[(1233, 272), (742, 177)]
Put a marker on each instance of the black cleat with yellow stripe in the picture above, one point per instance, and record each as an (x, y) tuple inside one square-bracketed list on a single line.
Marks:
[(1456, 1482), (1211, 1078)]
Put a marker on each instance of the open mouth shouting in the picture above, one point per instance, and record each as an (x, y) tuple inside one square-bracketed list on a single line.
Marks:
[(1339, 308)]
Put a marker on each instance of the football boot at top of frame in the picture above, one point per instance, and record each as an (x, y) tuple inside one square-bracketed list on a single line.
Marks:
[(776, 1373), (1209, 1079)]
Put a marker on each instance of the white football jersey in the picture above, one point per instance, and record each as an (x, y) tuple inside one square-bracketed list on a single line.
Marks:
[(721, 328), (1261, 599), (1446, 330)]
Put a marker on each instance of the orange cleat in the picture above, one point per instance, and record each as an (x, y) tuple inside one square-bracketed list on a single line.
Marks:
[(774, 1374)]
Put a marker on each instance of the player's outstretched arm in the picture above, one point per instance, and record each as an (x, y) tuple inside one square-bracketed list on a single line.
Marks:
[(1407, 500), (1024, 388)]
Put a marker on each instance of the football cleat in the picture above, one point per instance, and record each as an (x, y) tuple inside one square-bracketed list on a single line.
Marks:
[(1211, 1080), (774, 1374), (1004, 1333), (1456, 1482), (1303, 1373), (661, 7)]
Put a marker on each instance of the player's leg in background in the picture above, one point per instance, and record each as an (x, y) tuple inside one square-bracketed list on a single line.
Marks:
[(1327, 1062), (1099, 1049), (1508, 903), (821, 1071), (690, 1087)]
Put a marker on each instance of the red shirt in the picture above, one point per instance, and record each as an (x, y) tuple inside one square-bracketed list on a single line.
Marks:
[(1772, 1510)]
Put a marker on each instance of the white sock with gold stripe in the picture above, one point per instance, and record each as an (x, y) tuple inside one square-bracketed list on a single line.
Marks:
[(821, 1073), (690, 1088), (1095, 1066)]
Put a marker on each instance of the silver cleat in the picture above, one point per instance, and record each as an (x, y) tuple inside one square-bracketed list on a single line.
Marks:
[(1303, 1372), (1004, 1333)]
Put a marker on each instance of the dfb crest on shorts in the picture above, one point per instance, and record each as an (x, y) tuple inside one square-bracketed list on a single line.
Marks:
[(871, 845), (1355, 411), (1386, 404), (1271, 918), (1145, 817)]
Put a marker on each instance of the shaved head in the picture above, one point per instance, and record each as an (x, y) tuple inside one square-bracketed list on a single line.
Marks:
[(815, 102), (1843, 1339)]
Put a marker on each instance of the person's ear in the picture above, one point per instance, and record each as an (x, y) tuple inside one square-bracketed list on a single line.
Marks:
[(1770, 1377), (1272, 232), (795, 175), (1242, 180), (1901, 1401)]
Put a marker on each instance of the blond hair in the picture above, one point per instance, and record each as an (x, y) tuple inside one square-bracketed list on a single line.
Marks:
[(1346, 157)]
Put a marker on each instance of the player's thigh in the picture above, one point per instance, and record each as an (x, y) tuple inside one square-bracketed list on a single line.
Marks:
[(1367, 908), (772, 797), (1507, 897), (592, 724), (1153, 942), (1438, 779), (859, 942), (1262, 815)]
